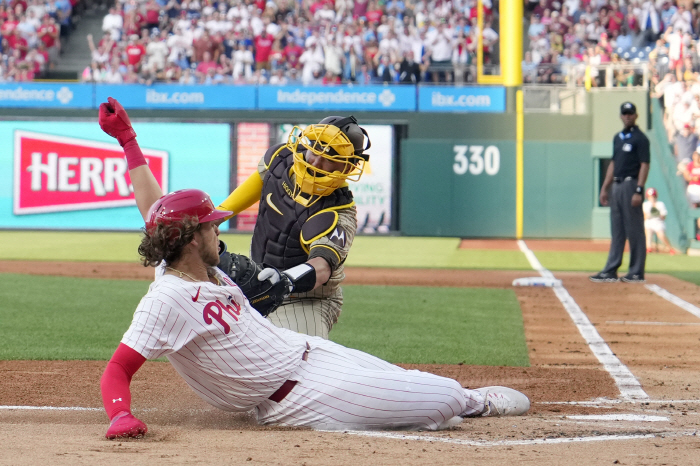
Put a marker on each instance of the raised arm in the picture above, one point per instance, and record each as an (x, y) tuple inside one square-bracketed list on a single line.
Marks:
[(115, 122), (244, 196), (116, 396)]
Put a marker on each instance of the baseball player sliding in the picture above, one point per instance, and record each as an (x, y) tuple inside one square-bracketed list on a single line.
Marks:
[(235, 359)]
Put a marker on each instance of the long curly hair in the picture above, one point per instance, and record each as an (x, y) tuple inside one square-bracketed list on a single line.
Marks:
[(166, 242)]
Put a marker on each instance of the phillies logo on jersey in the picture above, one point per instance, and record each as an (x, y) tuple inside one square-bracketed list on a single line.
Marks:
[(214, 311), (57, 173)]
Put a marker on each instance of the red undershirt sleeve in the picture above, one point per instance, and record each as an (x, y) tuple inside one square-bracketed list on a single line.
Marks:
[(116, 396)]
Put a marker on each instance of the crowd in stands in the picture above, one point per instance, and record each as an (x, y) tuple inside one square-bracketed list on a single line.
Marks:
[(31, 33), (581, 39), (312, 42)]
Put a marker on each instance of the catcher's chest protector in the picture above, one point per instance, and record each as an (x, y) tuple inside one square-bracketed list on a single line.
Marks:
[(277, 234)]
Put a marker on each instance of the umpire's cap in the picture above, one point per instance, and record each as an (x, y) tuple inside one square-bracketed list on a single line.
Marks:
[(628, 108), (185, 203)]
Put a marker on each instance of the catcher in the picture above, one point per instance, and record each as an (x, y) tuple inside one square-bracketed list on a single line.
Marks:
[(263, 294), (307, 218)]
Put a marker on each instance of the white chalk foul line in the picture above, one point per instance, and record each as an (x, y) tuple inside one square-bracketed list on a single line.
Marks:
[(635, 322), (604, 401), (626, 382), (49, 408), (618, 417), (497, 443), (674, 299)]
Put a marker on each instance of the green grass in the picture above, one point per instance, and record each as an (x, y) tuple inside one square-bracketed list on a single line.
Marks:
[(78, 318), (57, 318), (85, 246), (367, 251), (481, 326), (689, 276), (399, 251)]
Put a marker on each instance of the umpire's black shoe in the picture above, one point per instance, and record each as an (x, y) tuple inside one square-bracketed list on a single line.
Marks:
[(633, 279), (604, 277)]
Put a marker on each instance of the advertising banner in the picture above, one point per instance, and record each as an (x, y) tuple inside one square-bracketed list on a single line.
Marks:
[(364, 98), (71, 175), (489, 99), (47, 95), (173, 96), (56, 173)]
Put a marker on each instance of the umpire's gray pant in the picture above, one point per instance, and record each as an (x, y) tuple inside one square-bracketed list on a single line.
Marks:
[(626, 222)]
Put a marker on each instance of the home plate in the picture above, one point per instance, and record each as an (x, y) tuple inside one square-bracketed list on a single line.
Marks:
[(536, 281), (619, 417)]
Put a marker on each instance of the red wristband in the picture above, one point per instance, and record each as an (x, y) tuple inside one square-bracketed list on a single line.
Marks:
[(134, 156)]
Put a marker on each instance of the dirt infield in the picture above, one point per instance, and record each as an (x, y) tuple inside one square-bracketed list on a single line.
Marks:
[(655, 339), (569, 245)]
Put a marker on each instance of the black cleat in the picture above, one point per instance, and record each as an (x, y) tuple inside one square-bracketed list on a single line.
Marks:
[(604, 277), (633, 279)]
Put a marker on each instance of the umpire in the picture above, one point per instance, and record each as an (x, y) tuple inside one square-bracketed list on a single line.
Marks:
[(627, 174)]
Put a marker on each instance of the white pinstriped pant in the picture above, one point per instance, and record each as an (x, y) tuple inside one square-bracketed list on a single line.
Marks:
[(341, 388)]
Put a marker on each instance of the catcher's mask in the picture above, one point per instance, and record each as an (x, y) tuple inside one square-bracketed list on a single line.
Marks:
[(336, 139), (185, 203)]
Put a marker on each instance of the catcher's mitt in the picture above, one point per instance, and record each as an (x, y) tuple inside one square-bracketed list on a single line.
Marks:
[(264, 296)]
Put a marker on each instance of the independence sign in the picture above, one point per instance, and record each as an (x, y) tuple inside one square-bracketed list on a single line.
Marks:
[(359, 98)]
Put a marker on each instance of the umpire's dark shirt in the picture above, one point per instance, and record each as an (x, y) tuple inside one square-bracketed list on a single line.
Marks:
[(630, 150)]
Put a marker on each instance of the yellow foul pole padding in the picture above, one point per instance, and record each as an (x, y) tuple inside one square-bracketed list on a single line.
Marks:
[(511, 41), (519, 176)]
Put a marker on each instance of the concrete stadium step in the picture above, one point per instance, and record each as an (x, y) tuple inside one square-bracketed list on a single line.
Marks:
[(76, 52)]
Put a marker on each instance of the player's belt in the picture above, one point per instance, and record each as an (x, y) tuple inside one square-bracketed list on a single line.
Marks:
[(287, 387), (619, 179)]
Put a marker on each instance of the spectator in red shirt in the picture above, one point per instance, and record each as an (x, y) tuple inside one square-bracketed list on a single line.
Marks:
[(22, 4), (330, 79), (19, 43), (152, 14), (291, 54), (374, 13), (49, 36), (204, 66), (9, 25), (359, 9), (615, 18), (135, 52), (205, 44), (315, 6), (263, 47)]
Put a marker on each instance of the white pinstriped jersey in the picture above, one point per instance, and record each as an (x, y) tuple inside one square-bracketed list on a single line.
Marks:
[(235, 360), (230, 355)]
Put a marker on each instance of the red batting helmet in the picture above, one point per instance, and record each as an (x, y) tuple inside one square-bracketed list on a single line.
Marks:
[(651, 192), (184, 203)]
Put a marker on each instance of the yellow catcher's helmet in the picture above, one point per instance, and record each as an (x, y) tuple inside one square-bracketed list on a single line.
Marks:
[(337, 139)]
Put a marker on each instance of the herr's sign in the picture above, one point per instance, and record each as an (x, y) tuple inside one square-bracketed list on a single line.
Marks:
[(57, 173)]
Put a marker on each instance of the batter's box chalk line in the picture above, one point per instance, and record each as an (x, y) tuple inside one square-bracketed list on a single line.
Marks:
[(534, 441), (626, 382)]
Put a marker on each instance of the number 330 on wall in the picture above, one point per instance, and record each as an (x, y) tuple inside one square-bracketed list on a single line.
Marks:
[(479, 161)]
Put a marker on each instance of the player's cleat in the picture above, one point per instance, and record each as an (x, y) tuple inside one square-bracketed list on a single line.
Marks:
[(633, 278), (503, 401), (672, 252), (650, 250), (604, 277)]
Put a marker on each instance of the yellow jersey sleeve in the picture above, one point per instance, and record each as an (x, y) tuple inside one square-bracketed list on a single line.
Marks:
[(244, 196)]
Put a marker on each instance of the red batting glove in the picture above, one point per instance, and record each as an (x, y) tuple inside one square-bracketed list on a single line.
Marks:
[(125, 425), (115, 121)]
